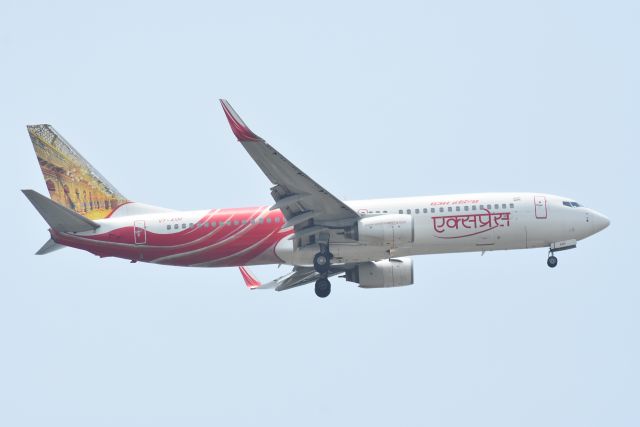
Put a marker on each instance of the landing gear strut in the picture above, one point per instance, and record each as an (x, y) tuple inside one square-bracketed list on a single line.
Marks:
[(552, 261), (322, 260), (322, 264)]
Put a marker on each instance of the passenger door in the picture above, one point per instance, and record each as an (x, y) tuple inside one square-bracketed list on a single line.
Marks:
[(139, 232), (540, 203)]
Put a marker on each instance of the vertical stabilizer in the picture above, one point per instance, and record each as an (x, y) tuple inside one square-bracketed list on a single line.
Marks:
[(71, 180)]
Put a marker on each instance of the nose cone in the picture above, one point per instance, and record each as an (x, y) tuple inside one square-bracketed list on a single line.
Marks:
[(599, 222)]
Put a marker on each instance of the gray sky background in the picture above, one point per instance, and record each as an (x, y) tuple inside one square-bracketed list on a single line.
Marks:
[(372, 100)]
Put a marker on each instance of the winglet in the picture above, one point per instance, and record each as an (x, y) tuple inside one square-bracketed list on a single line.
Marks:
[(249, 279), (238, 126)]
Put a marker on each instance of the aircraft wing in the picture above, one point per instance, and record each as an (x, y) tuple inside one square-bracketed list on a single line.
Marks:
[(306, 205), (297, 277)]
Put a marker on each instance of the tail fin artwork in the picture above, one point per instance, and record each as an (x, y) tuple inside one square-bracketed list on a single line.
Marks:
[(71, 180)]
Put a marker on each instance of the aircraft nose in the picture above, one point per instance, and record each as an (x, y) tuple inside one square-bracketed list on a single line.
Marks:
[(599, 222)]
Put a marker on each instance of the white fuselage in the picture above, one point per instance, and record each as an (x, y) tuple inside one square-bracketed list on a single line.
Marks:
[(461, 223), (250, 236)]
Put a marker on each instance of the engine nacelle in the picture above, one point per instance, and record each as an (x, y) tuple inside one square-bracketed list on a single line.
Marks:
[(388, 273), (392, 230)]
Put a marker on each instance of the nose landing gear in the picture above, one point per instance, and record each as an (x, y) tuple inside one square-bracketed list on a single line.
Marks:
[(552, 261)]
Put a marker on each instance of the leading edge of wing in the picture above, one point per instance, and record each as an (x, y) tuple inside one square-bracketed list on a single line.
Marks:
[(238, 126)]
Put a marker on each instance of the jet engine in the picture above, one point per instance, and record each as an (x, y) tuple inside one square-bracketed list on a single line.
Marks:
[(388, 273), (393, 230)]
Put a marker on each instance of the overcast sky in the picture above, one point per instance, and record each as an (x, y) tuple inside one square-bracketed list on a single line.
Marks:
[(371, 100)]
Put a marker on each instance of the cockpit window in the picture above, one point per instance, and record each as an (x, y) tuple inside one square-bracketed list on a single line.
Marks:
[(567, 203), (572, 204)]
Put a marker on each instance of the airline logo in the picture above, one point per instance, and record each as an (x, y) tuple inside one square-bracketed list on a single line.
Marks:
[(465, 225)]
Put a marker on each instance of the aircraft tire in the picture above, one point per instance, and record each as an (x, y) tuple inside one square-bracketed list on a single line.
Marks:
[(323, 287), (322, 262)]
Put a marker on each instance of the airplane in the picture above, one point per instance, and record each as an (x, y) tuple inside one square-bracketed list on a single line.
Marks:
[(367, 242)]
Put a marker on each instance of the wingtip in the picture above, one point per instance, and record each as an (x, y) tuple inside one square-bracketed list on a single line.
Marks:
[(249, 279), (238, 126)]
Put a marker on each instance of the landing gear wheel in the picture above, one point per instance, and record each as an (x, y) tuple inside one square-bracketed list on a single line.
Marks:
[(323, 287), (552, 261), (322, 262)]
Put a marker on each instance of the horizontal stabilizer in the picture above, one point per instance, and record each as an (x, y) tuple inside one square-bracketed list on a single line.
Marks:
[(57, 216), (49, 247)]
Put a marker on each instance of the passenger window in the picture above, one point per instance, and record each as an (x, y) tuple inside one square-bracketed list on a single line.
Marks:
[(457, 208), (169, 227), (473, 208), (466, 208), (496, 206), (236, 222), (175, 226), (244, 221), (268, 220), (504, 206), (277, 219), (260, 220), (206, 225), (511, 205), (384, 211), (228, 222), (213, 223), (481, 207), (409, 211), (417, 211), (425, 210), (441, 209), (433, 210), (253, 221), (400, 211), (184, 225), (450, 209)]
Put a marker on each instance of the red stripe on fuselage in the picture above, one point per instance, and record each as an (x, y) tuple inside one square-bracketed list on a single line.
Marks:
[(228, 245)]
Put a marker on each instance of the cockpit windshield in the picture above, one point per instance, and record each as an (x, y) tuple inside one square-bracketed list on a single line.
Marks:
[(572, 204)]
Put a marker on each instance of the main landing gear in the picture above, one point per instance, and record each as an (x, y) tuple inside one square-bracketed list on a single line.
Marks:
[(322, 264), (552, 261), (323, 287)]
